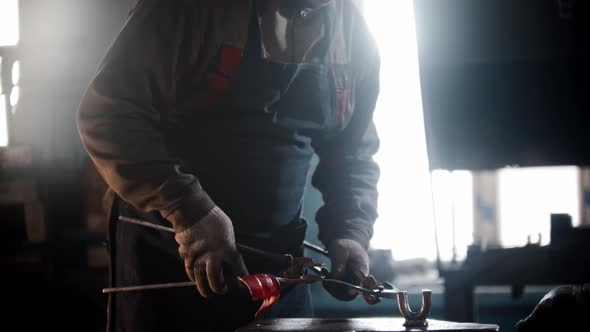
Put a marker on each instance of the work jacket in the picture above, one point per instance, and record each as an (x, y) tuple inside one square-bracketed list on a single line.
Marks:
[(175, 57)]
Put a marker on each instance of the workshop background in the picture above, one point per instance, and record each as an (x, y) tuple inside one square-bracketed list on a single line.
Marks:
[(483, 118)]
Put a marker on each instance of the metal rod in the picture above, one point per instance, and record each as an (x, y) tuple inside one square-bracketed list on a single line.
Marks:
[(147, 287), (306, 244), (386, 293), (315, 248), (146, 224), (241, 247), (281, 280), (284, 281)]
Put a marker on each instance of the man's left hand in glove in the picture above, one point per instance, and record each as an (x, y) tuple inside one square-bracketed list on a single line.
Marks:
[(350, 263)]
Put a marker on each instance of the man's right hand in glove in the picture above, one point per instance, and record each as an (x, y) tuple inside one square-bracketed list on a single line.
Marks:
[(208, 249), (350, 263)]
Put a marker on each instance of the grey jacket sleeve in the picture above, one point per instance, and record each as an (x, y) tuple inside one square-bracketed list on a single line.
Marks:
[(346, 174), (119, 119)]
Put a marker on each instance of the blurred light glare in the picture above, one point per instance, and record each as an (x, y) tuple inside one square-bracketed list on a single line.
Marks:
[(405, 223), (14, 97), (409, 198), (3, 122), (1, 87), (16, 73), (9, 23)]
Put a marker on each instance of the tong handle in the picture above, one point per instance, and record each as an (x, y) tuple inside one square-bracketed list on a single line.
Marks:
[(280, 260), (276, 259)]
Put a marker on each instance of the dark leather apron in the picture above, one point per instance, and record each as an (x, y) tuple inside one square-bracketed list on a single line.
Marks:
[(251, 151)]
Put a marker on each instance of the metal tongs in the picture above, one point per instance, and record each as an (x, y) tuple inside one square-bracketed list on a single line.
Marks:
[(295, 274), (386, 290)]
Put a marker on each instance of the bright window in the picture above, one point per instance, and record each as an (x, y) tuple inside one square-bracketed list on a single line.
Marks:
[(3, 124), (1, 87), (15, 73), (14, 97), (3, 115), (9, 23), (9, 36), (452, 194), (15, 94), (527, 198)]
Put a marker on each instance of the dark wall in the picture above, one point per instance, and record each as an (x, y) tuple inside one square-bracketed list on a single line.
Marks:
[(504, 82), (49, 281)]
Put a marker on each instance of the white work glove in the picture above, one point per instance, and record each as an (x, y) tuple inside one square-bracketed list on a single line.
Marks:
[(350, 263), (208, 249)]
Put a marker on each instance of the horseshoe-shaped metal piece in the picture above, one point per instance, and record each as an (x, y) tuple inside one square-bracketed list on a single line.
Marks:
[(415, 319)]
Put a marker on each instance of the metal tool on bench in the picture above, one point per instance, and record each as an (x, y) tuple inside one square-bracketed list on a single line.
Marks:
[(295, 273), (386, 291)]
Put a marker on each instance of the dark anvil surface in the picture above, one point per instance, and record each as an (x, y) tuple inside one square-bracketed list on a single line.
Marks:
[(360, 324)]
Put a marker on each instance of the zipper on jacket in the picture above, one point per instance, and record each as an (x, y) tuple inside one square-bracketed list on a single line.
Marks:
[(296, 15)]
